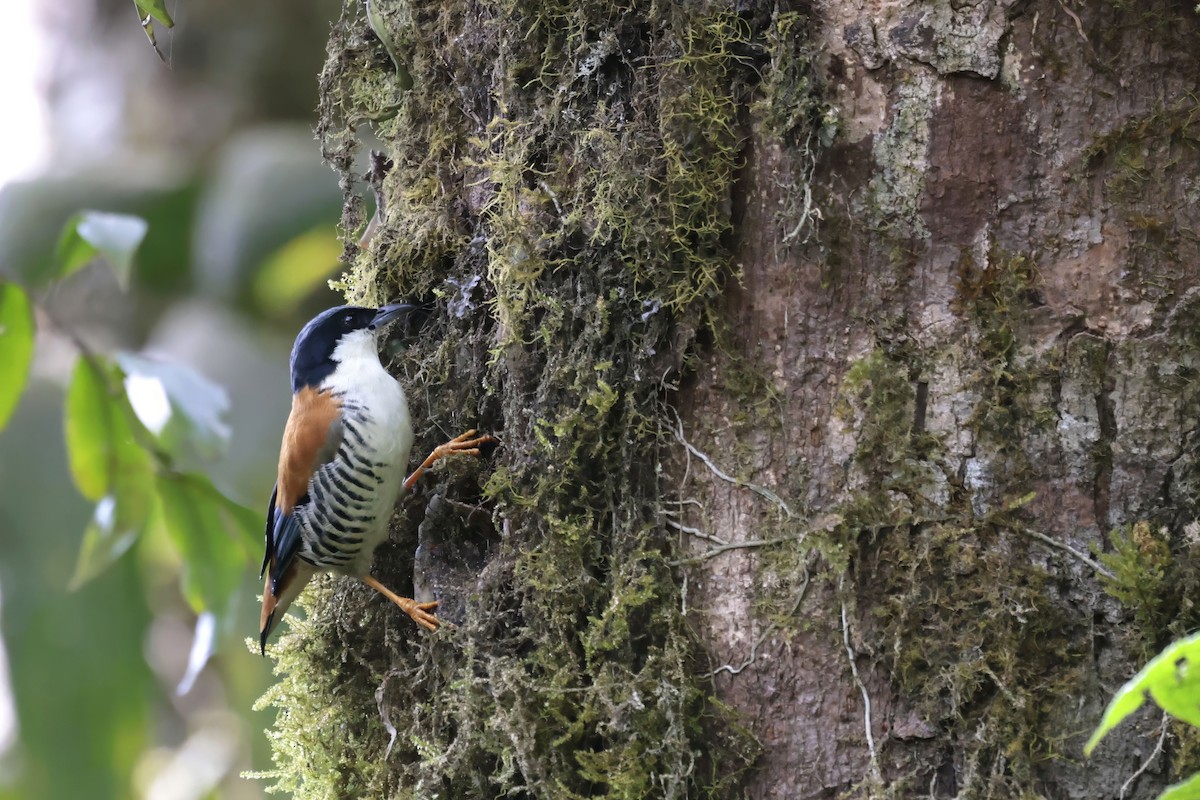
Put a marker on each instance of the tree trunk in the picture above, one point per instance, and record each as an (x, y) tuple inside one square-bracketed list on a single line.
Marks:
[(843, 362)]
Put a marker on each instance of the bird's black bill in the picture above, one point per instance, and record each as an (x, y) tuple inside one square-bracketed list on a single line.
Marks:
[(388, 313)]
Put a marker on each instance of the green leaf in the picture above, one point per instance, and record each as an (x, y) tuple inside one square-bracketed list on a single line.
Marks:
[(196, 405), (1185, 790), (198, 524), (379, 25), (71, 253), (156, 9), (16, 347), (150, 11), (90, 234), (108, 464), (246, 523), (1172, 679), (212, 534), (89, 414)]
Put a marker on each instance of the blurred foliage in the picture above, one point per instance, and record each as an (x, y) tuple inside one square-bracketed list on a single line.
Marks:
[(1171, 680), (216, 156), (293, 271), (76, 660), (16, 347), (108, 465), (89, 234), (134, 427), (124, 446)]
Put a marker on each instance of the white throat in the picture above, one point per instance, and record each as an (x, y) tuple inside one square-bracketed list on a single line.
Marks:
[(358, 368), (356, 345)]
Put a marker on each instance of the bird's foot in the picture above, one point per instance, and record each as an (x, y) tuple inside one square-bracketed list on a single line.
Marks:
[(421, 613), (465, 444)]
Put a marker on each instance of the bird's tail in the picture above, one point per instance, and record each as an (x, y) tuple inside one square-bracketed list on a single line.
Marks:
[(274, 606)]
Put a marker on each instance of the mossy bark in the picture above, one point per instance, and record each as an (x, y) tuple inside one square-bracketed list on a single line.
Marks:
[(843, 358)]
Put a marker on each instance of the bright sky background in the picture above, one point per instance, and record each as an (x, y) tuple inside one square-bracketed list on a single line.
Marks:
[(23, 152), (23, 52)]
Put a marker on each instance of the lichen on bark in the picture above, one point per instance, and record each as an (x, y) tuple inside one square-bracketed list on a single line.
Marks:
[(981, 376), (908, 449), (561, 193)]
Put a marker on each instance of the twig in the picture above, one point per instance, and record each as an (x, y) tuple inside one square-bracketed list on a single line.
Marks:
[(1158, 748), (808, 213), (1066, 548), (732, 670), (762, 491), (545, 187), (724, 547), (687, 501), (1078, 22), (1009, 696), (850, 654), (699, 534), (805, 215)]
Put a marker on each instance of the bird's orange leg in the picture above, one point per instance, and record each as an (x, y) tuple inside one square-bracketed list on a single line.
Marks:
[(420, 612), (466, 444)]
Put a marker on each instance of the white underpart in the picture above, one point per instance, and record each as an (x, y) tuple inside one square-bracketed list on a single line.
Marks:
[(362, 381)]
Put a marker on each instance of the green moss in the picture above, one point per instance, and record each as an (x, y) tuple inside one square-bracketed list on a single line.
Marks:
[(967, 613), (1141, 150), (1139, 562), (316, 745), (1185, 752), (790, 105), (959, 603), (996, 298), (1161, 19), (562, 186), (879, 396), (1153, 576), (963, 623), (1133, 162)]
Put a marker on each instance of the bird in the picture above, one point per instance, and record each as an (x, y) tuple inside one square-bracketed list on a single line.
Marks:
[(342, 461)]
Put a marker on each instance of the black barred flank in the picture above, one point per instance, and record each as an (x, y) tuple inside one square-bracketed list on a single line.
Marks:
[(338, 478), (352, 478), (352, 429), (360, 465), (328, 520)]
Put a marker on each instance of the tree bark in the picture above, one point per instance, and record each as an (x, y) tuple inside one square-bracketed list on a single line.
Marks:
[(844, 361)]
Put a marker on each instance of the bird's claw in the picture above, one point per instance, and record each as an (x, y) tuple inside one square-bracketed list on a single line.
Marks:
[(420, 613), (464, 444)]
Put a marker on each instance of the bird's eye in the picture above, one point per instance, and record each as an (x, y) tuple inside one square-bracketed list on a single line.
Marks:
[(348, 319)]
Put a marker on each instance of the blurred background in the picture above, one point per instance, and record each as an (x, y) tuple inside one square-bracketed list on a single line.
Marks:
[(215, 150)]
